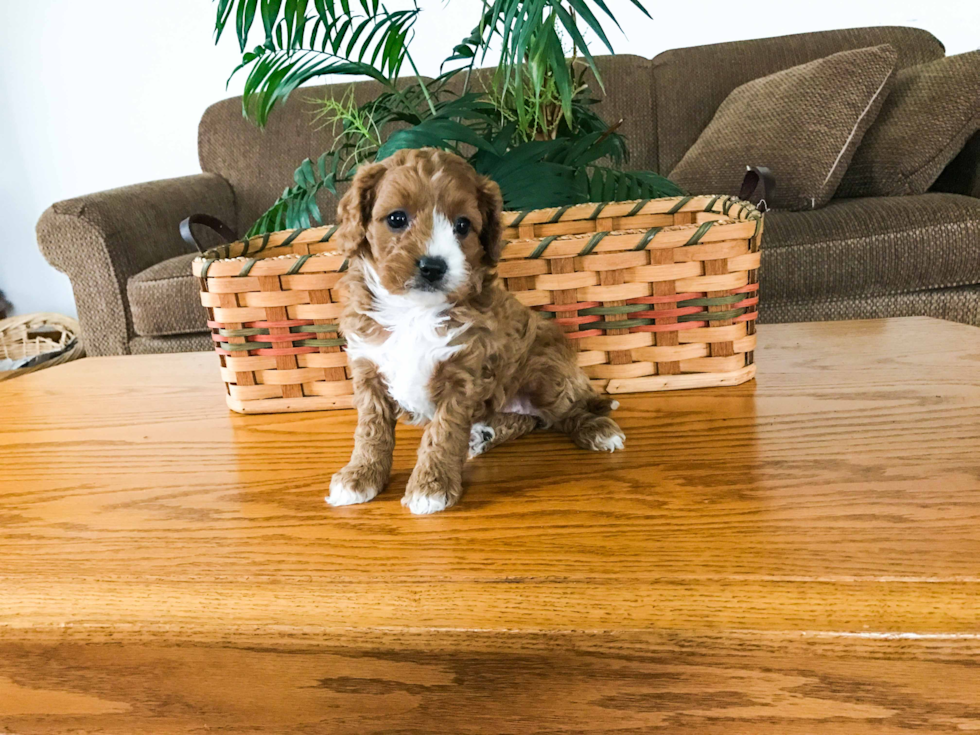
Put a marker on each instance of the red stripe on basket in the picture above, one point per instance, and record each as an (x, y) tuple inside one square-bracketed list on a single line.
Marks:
[(746, 289), (571, 307), (286, 351), (667, 312), (746, 317), (668, 327), (664, 299), (291, 337), (572, 320), (285, 323), (215, 325), (746, 302), (585, 333)]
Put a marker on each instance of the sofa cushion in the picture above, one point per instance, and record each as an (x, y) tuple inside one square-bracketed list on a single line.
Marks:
[(196, 342), (952, 304), (259, 162), (932, 110), (871, 247), (692, 82), (804, 123), (165, 299)]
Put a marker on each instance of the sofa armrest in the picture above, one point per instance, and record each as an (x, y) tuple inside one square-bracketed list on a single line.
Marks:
[(962, 175), (101, 240)]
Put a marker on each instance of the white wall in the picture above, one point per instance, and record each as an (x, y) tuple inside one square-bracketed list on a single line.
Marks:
[(104, 93)]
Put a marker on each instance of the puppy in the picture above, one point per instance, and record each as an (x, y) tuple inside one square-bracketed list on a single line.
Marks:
[(432, 334)]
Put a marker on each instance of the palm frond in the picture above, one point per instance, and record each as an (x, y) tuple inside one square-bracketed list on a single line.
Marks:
[(297, 206), (299, 47), (535, 130)]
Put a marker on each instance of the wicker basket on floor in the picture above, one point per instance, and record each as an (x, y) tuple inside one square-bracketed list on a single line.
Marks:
[(655, 294), (31, 335)]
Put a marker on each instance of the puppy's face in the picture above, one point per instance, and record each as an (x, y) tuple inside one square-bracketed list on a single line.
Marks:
[(426, 223)]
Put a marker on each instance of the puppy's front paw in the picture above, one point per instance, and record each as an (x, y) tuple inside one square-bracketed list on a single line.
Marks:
[(422, 505), (428, 495), (353, 485), (481, 437), (601, 434)]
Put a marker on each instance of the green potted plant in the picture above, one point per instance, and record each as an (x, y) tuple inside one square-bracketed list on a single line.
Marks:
[(529, 123)]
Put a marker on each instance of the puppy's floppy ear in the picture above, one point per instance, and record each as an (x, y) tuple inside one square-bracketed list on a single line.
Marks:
[(491, 204), (355, 207)]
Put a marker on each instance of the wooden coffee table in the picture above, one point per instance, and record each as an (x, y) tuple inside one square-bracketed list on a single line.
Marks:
[(795, 555)]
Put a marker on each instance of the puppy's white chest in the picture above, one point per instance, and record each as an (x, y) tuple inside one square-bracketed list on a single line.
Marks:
[(418, 341), (406, 360)]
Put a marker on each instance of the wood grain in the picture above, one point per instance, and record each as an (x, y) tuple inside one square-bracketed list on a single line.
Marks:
[(796, 554), (481, 683)]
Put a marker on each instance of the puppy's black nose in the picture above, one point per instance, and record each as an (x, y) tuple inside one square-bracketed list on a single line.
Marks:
[(432, 269)]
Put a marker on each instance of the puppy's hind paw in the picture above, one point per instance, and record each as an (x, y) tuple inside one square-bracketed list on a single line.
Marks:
[(602, 434), (350, 487), (481, 438)]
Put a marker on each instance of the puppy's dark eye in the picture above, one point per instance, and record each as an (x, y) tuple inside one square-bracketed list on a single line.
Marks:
[(397, 220), (461, 227)]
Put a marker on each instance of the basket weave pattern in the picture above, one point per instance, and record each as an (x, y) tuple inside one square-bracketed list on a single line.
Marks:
[(655, 295)]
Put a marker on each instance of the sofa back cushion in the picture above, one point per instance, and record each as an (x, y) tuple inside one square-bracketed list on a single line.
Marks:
[(692, 83), (802, 123), (259, 164), (930, 114)]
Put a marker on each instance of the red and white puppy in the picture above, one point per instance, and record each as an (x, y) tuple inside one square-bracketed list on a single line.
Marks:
[(431, 333)]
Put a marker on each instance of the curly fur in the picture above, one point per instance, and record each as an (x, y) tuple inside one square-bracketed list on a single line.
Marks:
[(462, 355)]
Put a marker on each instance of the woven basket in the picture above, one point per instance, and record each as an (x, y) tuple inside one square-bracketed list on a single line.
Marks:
[(656, 294), (30, 335)]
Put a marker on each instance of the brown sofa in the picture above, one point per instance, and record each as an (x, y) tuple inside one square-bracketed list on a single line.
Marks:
[(858, 258)]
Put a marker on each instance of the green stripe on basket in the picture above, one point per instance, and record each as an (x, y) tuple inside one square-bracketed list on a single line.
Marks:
[(542, 246), (318, 328), (716, 301), (265, 241), (598, 210), (329, 233), (343, 266), (338, 342), (557, 216), (206, 268), (639, 205), (677, 207), (700, 232), (593, 241), (245, 347), (647, 237), (246, 245), (711, 204), (726, 207), (604, 310), (520, 217), (247, 267), (711, 317), (624, 324), (246, 332), (292, 236), (298, 264)]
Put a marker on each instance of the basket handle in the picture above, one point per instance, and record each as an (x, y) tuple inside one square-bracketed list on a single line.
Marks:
[(212, 223), (754, 176)]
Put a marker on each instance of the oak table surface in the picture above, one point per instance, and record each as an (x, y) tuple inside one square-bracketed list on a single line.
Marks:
[(797, 554)]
